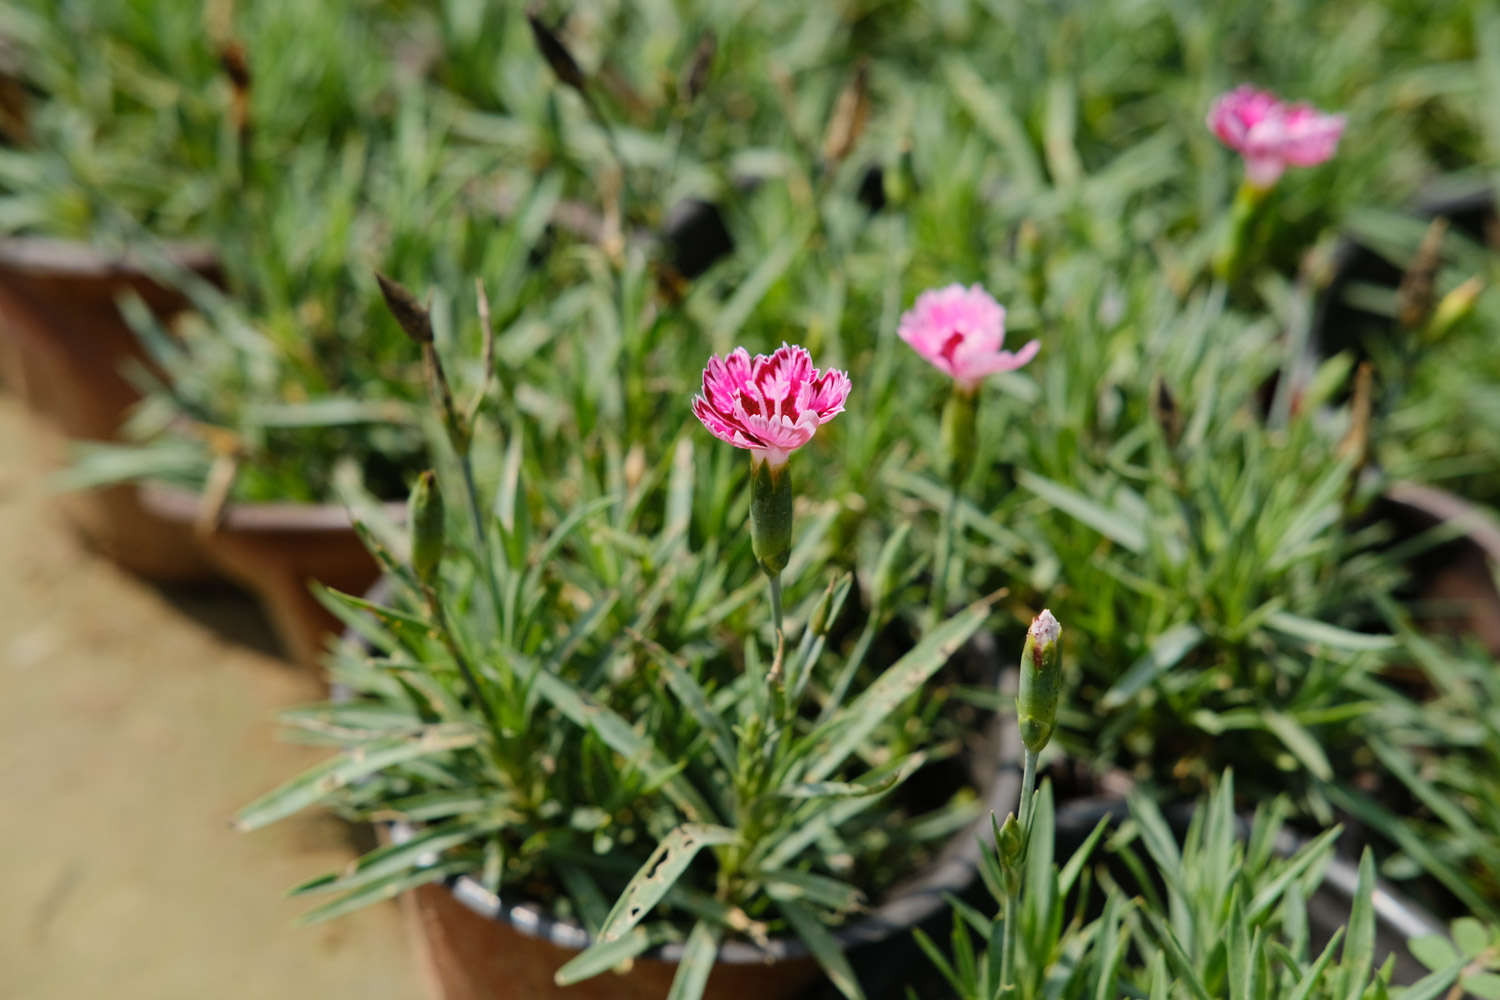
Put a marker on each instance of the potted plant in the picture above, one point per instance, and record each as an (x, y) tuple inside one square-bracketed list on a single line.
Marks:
[(627, 732)]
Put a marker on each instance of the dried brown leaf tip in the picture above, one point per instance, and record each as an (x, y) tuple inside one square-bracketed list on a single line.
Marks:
[(556, 53), (696, 78), (1355, 445), (1165, 411), (409, 313), (849, 116), (1414, 299)]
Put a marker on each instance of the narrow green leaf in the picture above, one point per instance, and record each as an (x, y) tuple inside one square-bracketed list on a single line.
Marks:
[(1430, 986), (584, 711), (660, 872), (1128, 533), (1359, 943), (387, 888), (829, 893), (822, 945), (1323, 634), (698, 956), (332, 775), (601, 956), (1434, 951), (1313, 853), (1314, 975), (694, 699), (848, 728), (1166, 652), (1300, 742)]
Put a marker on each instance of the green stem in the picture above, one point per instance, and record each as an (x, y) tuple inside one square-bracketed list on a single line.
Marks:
[(947, 538), (481, 536), (1028, 790), (471, 681), (774, 676), (1013, 893)]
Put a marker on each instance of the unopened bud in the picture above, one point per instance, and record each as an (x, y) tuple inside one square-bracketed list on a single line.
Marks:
[(1040, 684), (426, 517), (1165, 412), (1414, 297), (696, 77), (556, 53), (849, 116), (1454, 306), (1009, 839), (770, 515), (409, 313)]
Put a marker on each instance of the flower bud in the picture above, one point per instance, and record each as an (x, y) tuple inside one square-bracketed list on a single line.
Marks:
[(959, 416), (426, 516), (1041, 682), (770, 514), (410, 314), (1454, 307)]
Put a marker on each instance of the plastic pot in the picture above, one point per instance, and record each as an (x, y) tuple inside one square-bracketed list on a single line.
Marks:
[(63, 344), (277, 550)]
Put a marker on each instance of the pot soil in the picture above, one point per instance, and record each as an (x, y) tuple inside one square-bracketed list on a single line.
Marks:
[(277, 550), (63, 345)]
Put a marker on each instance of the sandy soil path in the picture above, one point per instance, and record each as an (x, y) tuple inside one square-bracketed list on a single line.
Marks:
[(132, 725)]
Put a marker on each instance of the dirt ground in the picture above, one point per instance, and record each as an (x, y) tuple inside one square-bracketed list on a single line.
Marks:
[(136, 720)]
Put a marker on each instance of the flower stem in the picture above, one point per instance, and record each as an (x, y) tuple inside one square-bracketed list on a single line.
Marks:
[(1015, 889), (774, 677), (947, 538), (481, 537)]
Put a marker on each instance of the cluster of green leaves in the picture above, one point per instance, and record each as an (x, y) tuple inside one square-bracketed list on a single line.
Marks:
[(1223, 914), (585, 700)]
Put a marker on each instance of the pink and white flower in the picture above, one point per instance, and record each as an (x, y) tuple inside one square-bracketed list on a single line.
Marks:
[(960, 330), (771, 404), (1272, 135)]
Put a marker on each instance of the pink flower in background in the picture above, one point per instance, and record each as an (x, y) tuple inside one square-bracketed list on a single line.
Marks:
[(771, 405), (960, 330), (1272, 135)]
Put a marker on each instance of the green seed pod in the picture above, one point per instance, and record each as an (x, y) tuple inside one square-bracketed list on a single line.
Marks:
[(770, 515), (1041, 682), (958, 434), (426, 516)]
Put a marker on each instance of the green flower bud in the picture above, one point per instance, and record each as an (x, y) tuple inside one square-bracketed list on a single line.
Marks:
[(1453, 307), (1010, 840), (426, 517), (958, 434), (770, 515), (1041, 682)]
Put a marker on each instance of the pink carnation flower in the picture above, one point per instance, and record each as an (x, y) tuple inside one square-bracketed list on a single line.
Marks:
[(1271, 135), (771, 405), (960, 330)]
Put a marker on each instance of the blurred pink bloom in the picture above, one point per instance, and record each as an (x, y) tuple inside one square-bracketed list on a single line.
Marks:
[(771, 405), (1271, 135), (960, 330)]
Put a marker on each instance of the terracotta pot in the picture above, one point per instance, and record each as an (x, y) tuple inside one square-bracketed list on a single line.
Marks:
[(473, 945), (277, 550), (63, 344)]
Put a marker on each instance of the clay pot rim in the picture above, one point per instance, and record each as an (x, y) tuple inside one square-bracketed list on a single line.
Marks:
[(914, 902), (1479, 526), (909, 902), (82, 259), (177, 504)]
